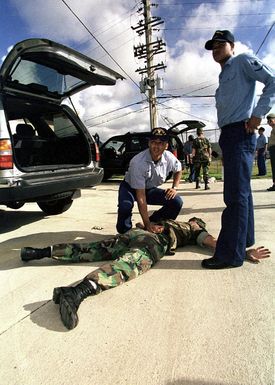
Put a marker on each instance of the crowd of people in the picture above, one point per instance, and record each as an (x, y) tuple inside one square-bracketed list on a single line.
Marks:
[(133, 251)]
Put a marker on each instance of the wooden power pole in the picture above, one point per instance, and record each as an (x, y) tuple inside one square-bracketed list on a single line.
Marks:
[(147, 51)]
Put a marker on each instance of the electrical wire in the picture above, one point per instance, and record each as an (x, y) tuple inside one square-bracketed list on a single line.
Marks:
[(104, 49), (268, 32)]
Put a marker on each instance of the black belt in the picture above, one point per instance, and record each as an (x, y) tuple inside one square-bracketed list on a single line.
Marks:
[(232, 125)]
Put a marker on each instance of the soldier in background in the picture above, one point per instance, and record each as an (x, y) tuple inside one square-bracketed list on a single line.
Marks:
[(132, 254), (201, 157), (187, 148)]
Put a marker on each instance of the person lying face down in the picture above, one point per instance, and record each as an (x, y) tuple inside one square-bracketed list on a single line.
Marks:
[(129, 255)]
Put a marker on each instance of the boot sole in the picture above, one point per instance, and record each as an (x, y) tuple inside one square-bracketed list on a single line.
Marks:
[(56, 295), (68, 316)]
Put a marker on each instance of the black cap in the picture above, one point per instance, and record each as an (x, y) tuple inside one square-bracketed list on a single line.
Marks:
[(159, 133), (220, 36)]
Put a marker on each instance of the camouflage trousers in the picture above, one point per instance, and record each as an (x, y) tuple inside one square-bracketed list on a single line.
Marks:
[(205, 170), (132, 254)]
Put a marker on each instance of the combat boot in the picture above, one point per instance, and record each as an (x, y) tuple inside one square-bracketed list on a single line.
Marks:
[(206, 186), (69, 299), (30, 253), (198, 184)]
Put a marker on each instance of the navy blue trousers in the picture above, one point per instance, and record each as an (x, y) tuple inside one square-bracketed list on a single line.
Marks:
[(154, 196), (237, 231), (261, 161)]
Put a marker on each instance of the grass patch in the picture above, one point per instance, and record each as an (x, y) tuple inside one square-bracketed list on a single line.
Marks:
[(216, 170)]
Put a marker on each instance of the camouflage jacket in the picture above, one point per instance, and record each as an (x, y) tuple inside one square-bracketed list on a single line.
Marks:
[(179, 234), (202, 147)]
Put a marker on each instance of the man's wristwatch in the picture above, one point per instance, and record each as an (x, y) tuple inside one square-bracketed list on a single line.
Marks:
[(174, 188)]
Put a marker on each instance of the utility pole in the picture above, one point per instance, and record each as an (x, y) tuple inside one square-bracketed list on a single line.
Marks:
[(147, 52), (150, 64)]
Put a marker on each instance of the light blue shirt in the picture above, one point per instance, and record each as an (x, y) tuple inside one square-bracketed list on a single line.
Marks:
[(235, 96), (261, 141), (144, 173)]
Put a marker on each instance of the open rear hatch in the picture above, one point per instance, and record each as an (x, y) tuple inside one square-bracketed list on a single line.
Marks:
[(44, 68), (36, 76)]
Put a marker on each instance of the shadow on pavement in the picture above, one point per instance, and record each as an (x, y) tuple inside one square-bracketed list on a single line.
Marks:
[(12, 220), (10, 249), (46, 315)]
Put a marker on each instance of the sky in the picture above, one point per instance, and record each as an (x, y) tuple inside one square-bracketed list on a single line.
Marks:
[(103, 31)]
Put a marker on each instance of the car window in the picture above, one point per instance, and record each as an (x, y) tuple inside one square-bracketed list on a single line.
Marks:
[(139, 143), (32, 74), (117, 145)]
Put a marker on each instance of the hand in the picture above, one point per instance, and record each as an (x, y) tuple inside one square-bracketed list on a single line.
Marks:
[(255, 255), (170, 193), (252, 124)]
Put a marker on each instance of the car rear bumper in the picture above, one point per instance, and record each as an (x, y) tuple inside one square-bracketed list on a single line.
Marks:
[(36, 189)]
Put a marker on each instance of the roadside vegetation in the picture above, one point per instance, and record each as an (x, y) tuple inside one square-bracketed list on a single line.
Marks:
[(216, 170)]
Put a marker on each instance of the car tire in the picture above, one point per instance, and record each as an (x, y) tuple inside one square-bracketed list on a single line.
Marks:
[(107, 175), (15, 205), (55, 207)]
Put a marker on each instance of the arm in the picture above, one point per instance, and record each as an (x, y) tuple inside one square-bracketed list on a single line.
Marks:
[(172, 192), (256, 70), (252, 255), (209, 151), (143, 210)]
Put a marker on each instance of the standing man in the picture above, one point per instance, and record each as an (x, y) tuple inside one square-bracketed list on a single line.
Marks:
[(187, 149), (271, 148), (148, 170), (261, 151), (201, 157), (239, 115)]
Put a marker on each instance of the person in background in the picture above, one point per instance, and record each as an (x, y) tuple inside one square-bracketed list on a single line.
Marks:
[(187, 149), (132, 254), (201, 158), (147, 171), (261, 148), (271, 148), (239, 115)]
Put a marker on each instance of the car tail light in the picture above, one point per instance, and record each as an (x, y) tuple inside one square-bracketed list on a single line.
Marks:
[(5, 154), (175, 152), (95, 152)]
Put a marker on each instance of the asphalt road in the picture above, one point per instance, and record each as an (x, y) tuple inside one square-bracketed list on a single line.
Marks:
[(178, 324)]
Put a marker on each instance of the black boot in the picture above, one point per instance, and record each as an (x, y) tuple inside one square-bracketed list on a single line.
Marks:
[(206, 186), (69, 299), (198, 184), (30, 253)]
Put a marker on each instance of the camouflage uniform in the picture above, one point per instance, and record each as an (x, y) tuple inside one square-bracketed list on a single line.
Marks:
[(201, 158), (133, 253)]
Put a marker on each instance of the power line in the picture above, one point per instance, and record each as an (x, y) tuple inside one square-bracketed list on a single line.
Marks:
[(87, 29), (221, 15), (211, 28), (268, 32)]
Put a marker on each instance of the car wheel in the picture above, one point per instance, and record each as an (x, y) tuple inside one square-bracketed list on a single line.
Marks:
[(55, 207), (15, 205), (107, 175)]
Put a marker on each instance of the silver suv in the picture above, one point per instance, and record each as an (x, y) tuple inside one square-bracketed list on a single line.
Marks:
[(46, 152)]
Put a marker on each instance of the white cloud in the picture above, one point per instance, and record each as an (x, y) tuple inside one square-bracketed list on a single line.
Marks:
[(189, 65)]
